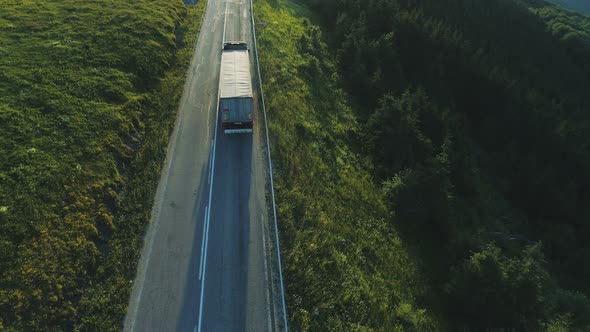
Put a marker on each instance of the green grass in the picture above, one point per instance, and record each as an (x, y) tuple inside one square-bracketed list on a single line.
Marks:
[(346, 268), (88, 94), (479, 144)]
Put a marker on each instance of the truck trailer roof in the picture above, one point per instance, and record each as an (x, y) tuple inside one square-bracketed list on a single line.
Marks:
[(235, 74)]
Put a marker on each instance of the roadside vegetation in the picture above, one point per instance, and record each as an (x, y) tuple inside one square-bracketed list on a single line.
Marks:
[(88, 94), (346, 268), (432, 163)]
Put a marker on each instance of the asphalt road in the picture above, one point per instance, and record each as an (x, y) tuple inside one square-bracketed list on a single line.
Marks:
[(197, 275)]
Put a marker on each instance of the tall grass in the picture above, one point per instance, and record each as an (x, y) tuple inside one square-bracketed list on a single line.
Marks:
[(345, 267), (88, 94)]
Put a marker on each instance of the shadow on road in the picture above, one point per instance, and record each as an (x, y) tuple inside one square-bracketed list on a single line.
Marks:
[(188, 314), (224, 303)]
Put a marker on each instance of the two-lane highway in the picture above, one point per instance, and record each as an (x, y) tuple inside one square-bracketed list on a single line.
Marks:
[(203, 266)]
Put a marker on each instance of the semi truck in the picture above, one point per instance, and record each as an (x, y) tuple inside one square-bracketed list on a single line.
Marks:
[(236, 103)]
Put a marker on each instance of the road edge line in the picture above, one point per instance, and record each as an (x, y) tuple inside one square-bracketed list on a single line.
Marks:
[(211, 184)]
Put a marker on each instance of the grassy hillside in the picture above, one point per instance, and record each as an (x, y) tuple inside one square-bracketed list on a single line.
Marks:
[(346, 268), (88, 93), (466, 153)]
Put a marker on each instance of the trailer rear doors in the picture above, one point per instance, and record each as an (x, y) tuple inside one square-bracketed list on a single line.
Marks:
[(237, 114)]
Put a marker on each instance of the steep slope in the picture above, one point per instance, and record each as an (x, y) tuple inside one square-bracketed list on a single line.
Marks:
[(88, 93), (475, 119), (345, 267)]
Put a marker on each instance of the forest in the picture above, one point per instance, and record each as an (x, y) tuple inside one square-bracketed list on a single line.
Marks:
[(88, 93), (580, 6), (436, 176)]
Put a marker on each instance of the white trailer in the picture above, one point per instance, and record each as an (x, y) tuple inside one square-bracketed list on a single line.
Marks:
[(236, 104)]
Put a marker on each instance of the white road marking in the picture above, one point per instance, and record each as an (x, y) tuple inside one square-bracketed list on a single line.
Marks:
[(206, 227), (210, 165), (210, 193), (224, 24), (203, 242)]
